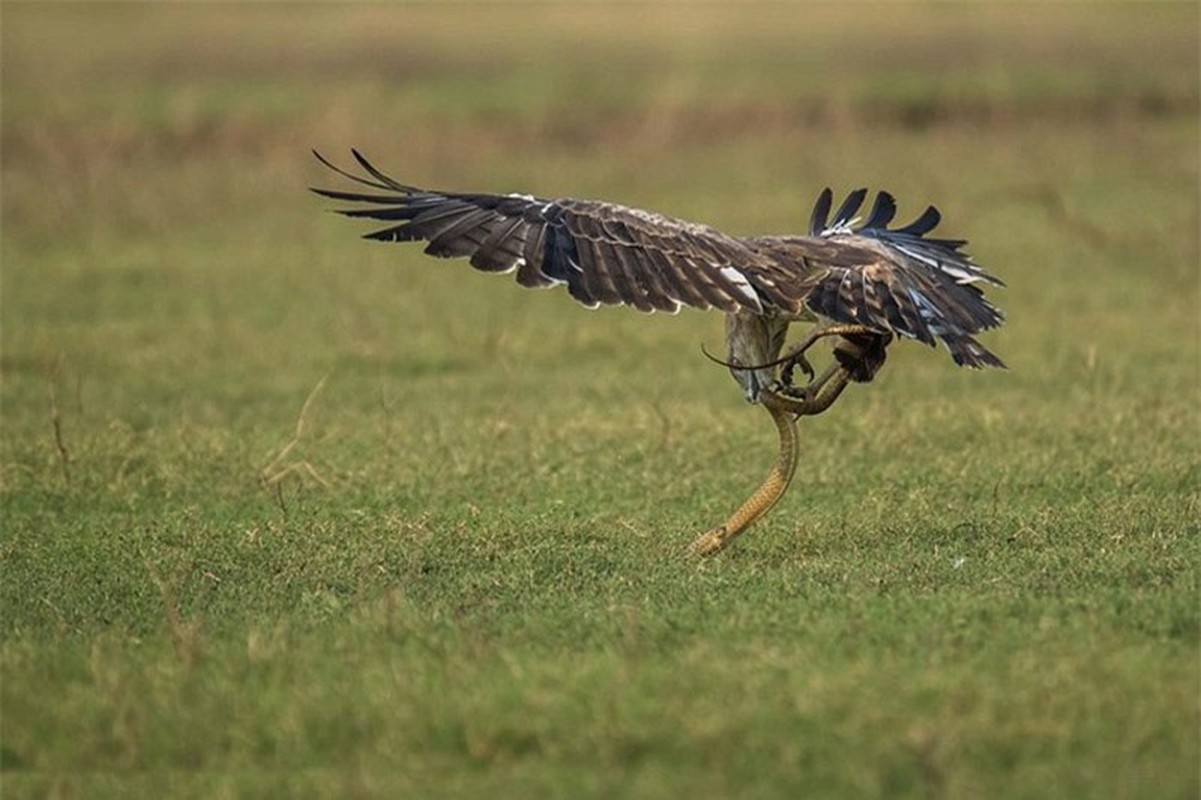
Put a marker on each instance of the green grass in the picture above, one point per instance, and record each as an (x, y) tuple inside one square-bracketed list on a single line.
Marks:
[(471, 580)]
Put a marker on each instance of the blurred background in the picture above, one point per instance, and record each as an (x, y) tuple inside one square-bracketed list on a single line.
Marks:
[(164, 265), (244, 454)]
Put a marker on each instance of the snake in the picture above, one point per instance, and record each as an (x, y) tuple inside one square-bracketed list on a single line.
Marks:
[(785, 411), (769, 492)]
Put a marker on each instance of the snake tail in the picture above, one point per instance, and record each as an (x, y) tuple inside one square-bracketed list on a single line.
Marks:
[(768, 493)]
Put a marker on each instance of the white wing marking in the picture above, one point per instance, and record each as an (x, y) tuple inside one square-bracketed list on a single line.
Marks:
[(740, 282)]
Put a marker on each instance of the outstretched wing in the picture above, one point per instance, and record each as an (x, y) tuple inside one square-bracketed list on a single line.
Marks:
[(894, 280), (604, 253)]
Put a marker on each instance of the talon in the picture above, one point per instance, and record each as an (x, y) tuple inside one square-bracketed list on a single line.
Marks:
[(801, 394), (806, 367), (797, 360)]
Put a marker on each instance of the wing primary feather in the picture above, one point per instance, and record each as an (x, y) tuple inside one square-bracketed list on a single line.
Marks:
[(424, 224), (379, 176), (356, 197), (351, 175), (927, 222), (883, 210), (395, 212), (968, 352), (848, 208), (821, 212), (457, 240)]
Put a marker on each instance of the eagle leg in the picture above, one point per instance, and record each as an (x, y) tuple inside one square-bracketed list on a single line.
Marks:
[(795, 358), (818, 395), (784, 411)]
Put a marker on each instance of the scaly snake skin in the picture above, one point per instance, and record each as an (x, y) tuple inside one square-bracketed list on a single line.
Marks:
[(769, 493)]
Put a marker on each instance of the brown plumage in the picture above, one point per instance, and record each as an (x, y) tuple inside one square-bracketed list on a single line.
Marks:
[(894, 281), (870, 283)]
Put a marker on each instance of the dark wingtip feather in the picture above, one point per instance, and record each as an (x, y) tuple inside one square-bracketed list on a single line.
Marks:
[(821, 212), (967, 352), (356, 178), (927, 222), (392, 234), (848, 208), (994, 280), (356, 197), (323, 160), (980, 362), (387, 181), (382, 181), (883, 210)]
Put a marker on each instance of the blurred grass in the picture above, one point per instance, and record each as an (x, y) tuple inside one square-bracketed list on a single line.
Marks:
[(981, 585)]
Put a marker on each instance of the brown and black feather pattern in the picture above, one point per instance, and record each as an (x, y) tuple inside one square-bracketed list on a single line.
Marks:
[(895, 281), (604, 253)]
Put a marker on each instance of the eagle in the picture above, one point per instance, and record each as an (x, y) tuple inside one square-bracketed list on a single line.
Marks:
[(862, 285)]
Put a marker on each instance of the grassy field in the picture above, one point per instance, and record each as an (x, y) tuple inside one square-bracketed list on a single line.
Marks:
[(290, 514)]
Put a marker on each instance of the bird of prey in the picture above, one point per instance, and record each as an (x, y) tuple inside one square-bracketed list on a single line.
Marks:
[(860, 282)]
